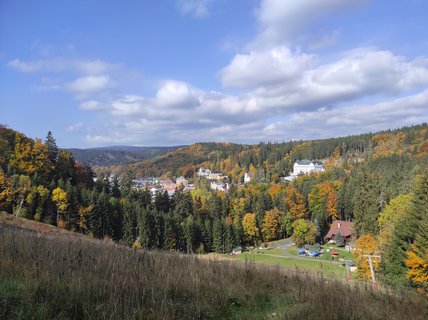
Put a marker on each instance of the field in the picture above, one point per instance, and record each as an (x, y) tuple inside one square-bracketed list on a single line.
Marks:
[(299, 264), (55, 275)]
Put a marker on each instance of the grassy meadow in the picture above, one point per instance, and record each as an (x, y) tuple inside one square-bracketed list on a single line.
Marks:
[(294, 263), (55, 276)]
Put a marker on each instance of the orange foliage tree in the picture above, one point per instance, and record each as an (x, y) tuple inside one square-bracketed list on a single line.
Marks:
[(366, 245), (271, 224), (417, 268), (295, 203)]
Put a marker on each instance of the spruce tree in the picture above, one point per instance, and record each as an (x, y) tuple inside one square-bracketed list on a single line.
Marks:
[(340, 240), (52, 147), (129, 222), (219, 236)]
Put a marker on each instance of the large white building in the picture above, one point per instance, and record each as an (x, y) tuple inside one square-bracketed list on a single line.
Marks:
[(305, 167)]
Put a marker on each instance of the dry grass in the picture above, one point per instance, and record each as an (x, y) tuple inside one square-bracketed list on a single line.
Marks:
[(52, 276)]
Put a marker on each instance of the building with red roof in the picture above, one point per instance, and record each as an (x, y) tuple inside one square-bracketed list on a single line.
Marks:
[(346, 229)]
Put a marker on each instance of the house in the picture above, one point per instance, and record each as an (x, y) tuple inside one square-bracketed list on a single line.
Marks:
[(181, 181), (305, 167), (167, 183), (346, 229), (202, 172), (219, 186), (170, 189), (248, 177), (216, 175)]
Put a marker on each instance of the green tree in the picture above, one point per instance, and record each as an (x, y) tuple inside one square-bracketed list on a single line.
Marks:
[(219, 235), (129, 221), (303, 232), (53, 150), (366, 207), (340, 240)]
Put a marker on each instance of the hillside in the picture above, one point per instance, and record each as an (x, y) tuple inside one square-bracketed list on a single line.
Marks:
[(270, 161), (116, 155), (377, 181), (46, 276)]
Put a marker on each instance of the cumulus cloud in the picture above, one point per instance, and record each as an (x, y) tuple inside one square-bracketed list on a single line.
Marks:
[(352, 119), (282, 21), (196, 8), (90, 84), (358, 74), (179, 113), (176, 94), (261, 68), (128, 105)]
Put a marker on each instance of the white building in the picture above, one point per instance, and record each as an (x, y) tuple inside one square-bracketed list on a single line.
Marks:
[(219, 186), (181, 181), (202, 172), (305, 167), (247, 177)]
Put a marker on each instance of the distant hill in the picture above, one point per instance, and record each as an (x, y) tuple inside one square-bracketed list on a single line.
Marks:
[(116, 155), (269, 161)]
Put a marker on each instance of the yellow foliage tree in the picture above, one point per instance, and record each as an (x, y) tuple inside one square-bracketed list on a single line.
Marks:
[(60, 198), (271, 225), (417, 268), (31, 157), (249, 225), (366, 245), (396, 208), (83, 213), (6, 192)]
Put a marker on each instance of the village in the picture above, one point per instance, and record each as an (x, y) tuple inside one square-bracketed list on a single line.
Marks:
[(217, 180), (339, 241)]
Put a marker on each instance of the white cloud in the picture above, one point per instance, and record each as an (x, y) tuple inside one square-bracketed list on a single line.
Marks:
[(196, 8), (358, 74), (128, 105), (61, 65), (176, 94), (260, 68), (90, 84), (282, 21), (352, 119)]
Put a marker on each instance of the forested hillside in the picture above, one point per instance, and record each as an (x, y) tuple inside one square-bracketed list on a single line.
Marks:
[(107, 156), (379, 181), (270, 161)]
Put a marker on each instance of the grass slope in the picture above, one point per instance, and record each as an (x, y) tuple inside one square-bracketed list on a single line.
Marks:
[(46, 274)]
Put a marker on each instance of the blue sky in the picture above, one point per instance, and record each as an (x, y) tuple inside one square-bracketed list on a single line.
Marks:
[(173, 72)]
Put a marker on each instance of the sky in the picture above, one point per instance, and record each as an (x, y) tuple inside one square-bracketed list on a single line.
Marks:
[(174, 72)]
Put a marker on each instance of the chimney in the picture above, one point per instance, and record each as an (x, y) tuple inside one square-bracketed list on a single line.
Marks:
[(338, 225)]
